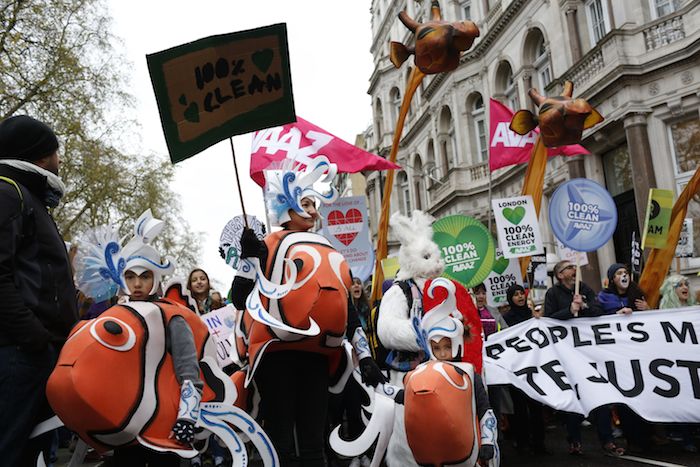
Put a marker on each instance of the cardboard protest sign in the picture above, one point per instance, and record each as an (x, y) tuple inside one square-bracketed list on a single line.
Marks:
[(467, 248), (221, 324), (345, 225), (658, 218), (570, 255), (583, 215), (537, 271), (636, 255), (518, 229), (505, 273), (390, 266), (220, 86), (230, 239), (684, 248), (647, 361)]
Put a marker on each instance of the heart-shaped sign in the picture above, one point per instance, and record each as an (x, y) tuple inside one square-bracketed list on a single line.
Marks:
[(466, 247), (500, 265), (345, 227), (263, 59), (514, 216)]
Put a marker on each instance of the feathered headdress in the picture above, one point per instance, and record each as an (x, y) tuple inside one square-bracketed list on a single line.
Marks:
[(101, 261), (287, 185)]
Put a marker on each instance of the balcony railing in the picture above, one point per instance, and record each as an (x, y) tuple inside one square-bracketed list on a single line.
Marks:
[(664, 33), (587, 68)]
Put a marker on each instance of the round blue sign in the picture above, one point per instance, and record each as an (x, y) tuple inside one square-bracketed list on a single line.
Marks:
[(583, 215)]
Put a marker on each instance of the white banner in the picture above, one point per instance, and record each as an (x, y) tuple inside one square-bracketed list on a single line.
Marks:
[(518, 229), (221, 324), (505, 273), (648, 360)]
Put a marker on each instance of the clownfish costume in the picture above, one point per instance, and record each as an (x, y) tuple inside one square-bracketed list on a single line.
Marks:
[(114, 383), (321, 285), (446, 416)]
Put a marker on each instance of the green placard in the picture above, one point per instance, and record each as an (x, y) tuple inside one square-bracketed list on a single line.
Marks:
[(658, 218), (221, 86), (466, 247)]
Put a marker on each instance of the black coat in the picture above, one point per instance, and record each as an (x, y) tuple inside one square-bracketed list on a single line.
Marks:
[(38, 304), (557, 302)]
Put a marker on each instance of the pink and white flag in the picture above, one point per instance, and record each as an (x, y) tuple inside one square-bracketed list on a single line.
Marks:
[(302, 141), (506, 147)]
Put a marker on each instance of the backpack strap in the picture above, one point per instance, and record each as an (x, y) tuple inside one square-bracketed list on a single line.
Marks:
[(19, 190), (406, 288), (28, 224)]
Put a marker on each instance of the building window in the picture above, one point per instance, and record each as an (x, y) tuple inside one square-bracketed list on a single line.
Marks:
[(685, 144), (446, 140), (598, 21), (479, 119), (541, 64), (664, 7), (618, 170), (466, 7), (405, 193), (395, 96), (684, 136), (379, 116), (511, 92)]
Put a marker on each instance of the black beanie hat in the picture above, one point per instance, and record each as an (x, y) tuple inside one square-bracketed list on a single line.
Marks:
[(613, 269), (23, 137)]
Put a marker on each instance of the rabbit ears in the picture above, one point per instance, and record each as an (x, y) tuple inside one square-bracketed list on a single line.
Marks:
[(409, 229)]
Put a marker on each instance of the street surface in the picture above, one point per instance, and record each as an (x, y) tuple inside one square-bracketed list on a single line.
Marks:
[(670, 455)]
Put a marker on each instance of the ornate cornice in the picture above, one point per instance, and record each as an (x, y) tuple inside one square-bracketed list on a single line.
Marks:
[(494, 32)]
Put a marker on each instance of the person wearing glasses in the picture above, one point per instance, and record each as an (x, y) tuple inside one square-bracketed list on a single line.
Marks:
[(560, 301)]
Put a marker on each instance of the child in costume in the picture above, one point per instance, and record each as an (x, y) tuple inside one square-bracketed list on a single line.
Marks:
[(399, 317), (136, 376), (294, 287), (446, 417)]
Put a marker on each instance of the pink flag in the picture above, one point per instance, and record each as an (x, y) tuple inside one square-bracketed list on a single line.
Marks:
[(506, 147), (303, 141)]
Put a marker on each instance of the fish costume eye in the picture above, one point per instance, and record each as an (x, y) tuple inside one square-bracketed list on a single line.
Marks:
[(113, 333)]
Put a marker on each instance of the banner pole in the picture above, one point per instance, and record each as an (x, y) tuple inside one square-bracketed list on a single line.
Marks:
[(578, 274), (238, 182), (490, 204)]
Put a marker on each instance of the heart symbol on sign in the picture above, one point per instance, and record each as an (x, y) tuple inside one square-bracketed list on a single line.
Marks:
[(500, 265), (352, 219), (514, 216), (192, 110), (263, 59)]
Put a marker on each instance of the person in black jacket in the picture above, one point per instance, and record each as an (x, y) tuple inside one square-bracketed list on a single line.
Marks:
[(38, 306), (561, 302)]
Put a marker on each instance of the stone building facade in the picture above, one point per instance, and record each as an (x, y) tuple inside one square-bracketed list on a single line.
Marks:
[(636, 61)]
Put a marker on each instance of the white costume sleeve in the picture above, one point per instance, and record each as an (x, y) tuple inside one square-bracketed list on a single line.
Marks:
[(394, 325)]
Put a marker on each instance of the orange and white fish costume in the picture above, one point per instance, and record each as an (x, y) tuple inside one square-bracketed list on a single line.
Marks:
[(445, 419), (318, 299)]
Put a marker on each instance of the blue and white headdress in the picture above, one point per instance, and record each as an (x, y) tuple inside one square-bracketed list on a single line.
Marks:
[(287, 186), (440, 321), (101, 261), (140, 256)]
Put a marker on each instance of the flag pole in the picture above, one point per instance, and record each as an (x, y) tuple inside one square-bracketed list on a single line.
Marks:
[(238, 182), (490, 204)]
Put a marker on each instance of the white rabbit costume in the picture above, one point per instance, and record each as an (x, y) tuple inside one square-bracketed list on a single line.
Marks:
[(419, 261)]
